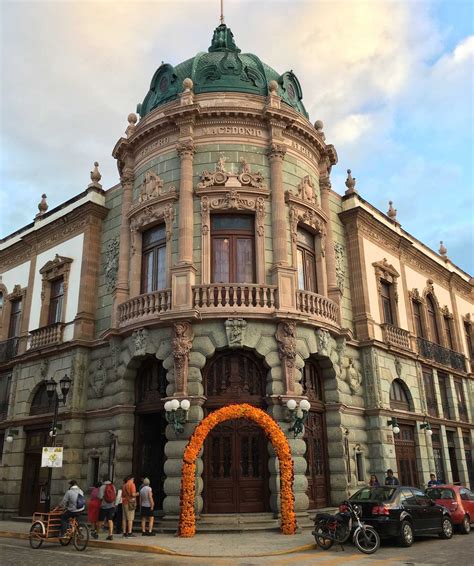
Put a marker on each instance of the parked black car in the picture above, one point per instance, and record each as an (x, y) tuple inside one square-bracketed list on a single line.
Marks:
[(402, 512)]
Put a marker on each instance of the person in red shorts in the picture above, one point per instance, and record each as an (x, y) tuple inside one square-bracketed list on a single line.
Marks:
[(93, 510)]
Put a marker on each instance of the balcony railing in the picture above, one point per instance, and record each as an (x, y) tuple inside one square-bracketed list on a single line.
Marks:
[(46, 335), (8, 349), (149, 305), (444, 356), (317, 305), (395, 336), (235, 296)]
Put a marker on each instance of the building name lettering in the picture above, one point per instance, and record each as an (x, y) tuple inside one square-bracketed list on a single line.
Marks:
[(302, 149), (235, 130), (155, 145)]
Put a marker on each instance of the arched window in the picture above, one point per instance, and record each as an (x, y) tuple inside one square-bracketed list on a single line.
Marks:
[(42, 404), (312, 383), (432, 319), (151, 382), (399, 396), (234, 377)]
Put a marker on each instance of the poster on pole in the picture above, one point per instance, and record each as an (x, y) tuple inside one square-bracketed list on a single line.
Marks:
[(52, 457)]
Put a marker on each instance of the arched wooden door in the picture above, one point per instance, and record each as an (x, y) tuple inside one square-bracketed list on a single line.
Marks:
[(150, 424), (235, 452), (315, 438)]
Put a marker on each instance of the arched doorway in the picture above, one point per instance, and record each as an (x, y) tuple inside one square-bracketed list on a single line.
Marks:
[(150, 424), (405, 447), (235, 452), (315, 437), (35, 478)]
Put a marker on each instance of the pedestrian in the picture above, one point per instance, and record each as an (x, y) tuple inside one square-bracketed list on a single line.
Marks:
[(73, 504), (107, 496), (391, 479), (93, 511), (374, 482), (147, 505), (433, 481), (119, 519), (129, 504)]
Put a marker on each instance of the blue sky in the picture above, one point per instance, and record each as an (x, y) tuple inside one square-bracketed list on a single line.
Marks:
[(392, 82)]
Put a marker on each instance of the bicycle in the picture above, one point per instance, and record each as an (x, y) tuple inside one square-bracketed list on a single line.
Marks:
[(46, 526)]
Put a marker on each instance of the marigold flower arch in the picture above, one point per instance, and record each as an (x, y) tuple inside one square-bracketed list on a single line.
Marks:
[(187, 520)]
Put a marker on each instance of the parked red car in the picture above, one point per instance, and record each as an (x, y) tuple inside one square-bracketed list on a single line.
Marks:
[(458, 500)]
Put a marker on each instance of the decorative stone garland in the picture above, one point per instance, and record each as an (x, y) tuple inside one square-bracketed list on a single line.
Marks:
[(187, 520)]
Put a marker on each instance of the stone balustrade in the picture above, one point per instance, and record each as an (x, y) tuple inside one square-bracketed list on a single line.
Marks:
[(395, 336), (142, 307), (234, 296), (46, 335), (317, 306)]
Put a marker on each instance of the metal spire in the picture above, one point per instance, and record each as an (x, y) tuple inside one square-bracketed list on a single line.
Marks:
[(222, 11)]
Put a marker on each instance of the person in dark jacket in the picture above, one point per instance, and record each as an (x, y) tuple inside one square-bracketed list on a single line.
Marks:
[(391, 479)]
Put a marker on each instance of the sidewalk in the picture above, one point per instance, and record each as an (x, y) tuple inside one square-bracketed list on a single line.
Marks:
[(215, 545)]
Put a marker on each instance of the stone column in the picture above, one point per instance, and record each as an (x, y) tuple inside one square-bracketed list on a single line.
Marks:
[(284, 276), (334, 291), (121, 293), (183, 274)]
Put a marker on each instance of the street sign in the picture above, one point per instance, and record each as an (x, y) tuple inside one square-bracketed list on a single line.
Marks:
[(52, 457)]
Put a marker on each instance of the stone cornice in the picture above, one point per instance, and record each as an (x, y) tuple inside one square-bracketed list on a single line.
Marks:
[(51, 234)]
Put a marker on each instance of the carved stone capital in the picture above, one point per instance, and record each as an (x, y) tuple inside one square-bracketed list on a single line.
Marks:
[(186, 149), (127, 177), (276, 151)]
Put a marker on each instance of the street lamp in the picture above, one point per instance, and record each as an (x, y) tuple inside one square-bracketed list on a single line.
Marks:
[(177, 413), (394, 424), (11, 433), (294, 417), (426, 425), (65, 386)]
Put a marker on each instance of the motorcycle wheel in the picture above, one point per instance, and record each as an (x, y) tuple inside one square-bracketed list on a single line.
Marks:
[(321, 540), (367, 540)]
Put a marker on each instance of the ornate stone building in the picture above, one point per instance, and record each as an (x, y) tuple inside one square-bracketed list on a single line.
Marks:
[(224, 268)]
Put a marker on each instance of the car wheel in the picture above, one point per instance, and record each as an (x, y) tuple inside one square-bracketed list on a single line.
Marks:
[(465, 527), (406, 534), (446, 528)]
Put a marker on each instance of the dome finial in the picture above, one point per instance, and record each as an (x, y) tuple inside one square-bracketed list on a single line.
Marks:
[(222, 12)]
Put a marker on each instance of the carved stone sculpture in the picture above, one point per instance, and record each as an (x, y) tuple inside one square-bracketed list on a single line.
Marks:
[(181, 345), (140, 340), (398, 366), (350, 183), (306, 190), (323, 338), (353, 377), (220, 177), (235, 330), (286, 340), (340, 269), (152, 186), (99, 379), (111, 263)]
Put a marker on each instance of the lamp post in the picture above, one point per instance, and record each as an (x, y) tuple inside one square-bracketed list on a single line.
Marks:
[(294, 417), (177, 414), (426, 426), (65, 386), (394, 424)]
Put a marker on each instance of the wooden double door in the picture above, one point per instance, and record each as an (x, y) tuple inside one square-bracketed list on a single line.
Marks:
[(35, 478), (236, 469), (316, 457), (405, 451)]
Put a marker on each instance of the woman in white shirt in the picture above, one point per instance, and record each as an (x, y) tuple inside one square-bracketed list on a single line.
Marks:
[(147, 505)]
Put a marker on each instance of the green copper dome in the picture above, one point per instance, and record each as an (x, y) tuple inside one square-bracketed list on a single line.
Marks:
[(222, 69)]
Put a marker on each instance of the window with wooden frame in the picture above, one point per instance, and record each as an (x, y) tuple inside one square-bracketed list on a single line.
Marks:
[(5, 385), (417, 318), (443, 390), (387, 283), (399, 396), (232, 248), (56, 301), (469, 337), (306, 261), (15, 318), (461, 400), (430, 393), (153, 259), (448, 330), (55, 281), (432, 319)]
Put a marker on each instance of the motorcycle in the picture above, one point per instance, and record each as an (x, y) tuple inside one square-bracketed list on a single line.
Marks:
[(329, 529)]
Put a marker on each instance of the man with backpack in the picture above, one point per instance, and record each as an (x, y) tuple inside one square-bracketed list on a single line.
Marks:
[(73, 504), (107, 495)]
